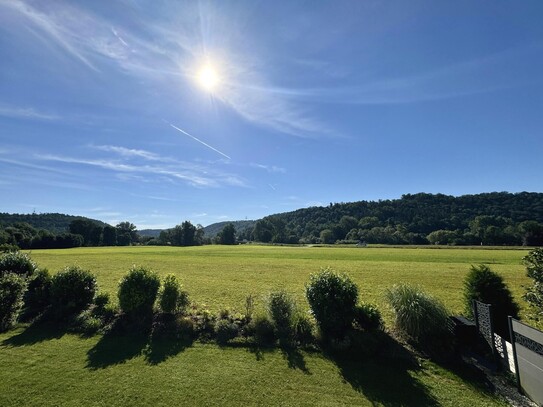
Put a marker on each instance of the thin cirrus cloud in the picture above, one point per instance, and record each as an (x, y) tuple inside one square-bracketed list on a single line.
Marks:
[(26, 113), (175, 45), (191, 174)]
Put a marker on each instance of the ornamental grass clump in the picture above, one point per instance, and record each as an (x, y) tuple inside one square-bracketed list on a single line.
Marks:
[(420, 318)]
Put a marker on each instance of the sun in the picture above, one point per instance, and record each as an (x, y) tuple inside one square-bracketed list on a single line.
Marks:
[(208, 78)]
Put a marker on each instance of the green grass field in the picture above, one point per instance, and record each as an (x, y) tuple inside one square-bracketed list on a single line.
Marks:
[(53, 368)]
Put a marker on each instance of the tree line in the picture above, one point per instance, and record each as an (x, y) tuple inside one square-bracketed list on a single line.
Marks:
[(497, 218)]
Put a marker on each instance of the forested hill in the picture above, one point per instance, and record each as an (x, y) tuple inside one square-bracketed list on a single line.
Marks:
[(53, 222), (410, 219), (241, 226)]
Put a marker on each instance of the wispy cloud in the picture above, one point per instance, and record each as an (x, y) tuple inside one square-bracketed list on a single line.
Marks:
[(26, 113), (192, 174), (269, 168), (131, 152), (173, 47)]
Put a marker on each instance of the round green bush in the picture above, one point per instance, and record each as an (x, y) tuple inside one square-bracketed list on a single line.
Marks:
[(418, 316), (172, 296), (304, 330), (138, 291), (263, 330), (72, 290), (534, 293), (282, 311), (38, 294), (12, 288), (332, 298), (368, 317), (17, 263), (484, 285), (225, 331)]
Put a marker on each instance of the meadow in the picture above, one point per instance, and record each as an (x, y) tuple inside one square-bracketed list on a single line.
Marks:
[(52, 367)]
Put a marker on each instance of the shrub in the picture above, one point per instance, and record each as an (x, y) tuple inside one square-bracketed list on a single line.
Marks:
[(172, 297), (368, 317), (420, 317), (12, 288), (484, 285), (72, 290), (332, 298), (138, 291), (282, 312), (534, 293), (17, 263), (103, 309), (225, 331), (304, 330), (6, 247), (263, 330), (38, 295), (87, 323)]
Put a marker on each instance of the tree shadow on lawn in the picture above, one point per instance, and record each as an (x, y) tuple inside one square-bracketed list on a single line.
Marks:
[(294, 358), (382, 374), (113, 349), (36, 333), (160, 349)]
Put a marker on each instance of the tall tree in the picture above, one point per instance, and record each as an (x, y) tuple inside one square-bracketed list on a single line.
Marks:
[(227, 235)]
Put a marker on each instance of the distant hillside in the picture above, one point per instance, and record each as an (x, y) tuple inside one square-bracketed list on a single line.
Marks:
[(241, 227), (53, 222), (487, 218), (149, 232)]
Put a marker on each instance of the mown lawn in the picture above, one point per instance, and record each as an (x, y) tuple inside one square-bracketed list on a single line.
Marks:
[(45, 367)]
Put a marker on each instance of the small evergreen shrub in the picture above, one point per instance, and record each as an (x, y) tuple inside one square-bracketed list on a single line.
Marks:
[(534, 293), (484, 285), (420, 317), (282, 312), (12, 289), (87, 323), (72, 291), (263, 330), (138, 292), (304, 330), (332, 298), (38, 295), (225, 331), (172, 298), (17, 263), (368, 317), (103, 309)]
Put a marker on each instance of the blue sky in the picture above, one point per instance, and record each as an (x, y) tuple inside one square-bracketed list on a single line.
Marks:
[(103, 111)]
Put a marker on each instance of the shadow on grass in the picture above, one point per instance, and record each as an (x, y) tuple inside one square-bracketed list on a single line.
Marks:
[(383, 374), (294, 358), (35, 333), (160, 349), (113, 349)]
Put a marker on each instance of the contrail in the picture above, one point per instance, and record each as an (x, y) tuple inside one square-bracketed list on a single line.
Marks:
[(198, 140)]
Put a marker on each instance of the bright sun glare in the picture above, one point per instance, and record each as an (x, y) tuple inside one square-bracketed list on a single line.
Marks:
[(208, 78)]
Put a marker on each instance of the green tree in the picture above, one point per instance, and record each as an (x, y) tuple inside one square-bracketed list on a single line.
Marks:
[(109, 236), (128, 232), (327, 236), (227, 235)]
